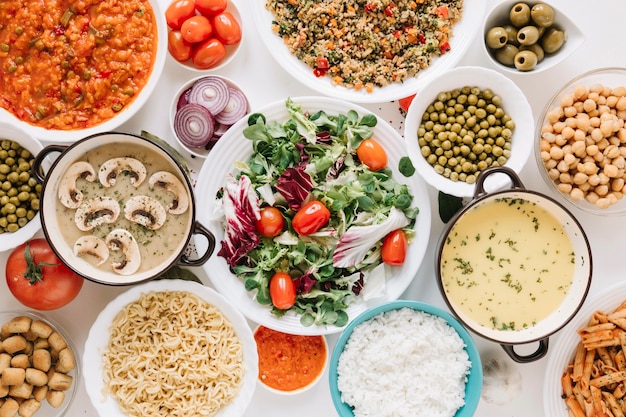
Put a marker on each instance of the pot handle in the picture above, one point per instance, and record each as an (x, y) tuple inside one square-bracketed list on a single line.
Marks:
[(480, 181), (536, 355), (198, 228), (37, 169)]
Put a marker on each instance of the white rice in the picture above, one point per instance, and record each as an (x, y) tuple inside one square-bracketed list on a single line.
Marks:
[(403, 363)]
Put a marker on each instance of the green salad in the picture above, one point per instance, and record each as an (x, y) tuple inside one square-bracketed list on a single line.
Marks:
[(305, 208)]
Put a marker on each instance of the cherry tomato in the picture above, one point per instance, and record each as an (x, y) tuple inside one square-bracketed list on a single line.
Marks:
[(208, 54), (227, 29), (372, 154), (38, 278), (211, 7), (179, 11), (179, 48), (282, 291), (394, 248), (196, 29), (405, 102), (271, 222), (310, 218)]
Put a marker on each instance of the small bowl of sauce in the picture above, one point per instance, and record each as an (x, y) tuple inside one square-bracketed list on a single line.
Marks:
[(514, 265), (289, 364)]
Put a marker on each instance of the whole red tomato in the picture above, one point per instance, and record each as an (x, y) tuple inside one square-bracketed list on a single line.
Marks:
[(196, 29), (227, 29), (208, 54), (310, 218), (179, 11), (394, 248), (271, 222), (211, 7), (179, 48), (38, 278), (372, 154), (282, 291)]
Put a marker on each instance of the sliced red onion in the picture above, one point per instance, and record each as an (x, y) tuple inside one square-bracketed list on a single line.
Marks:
[(194, 125), (220, 129), (236, 108), (183, 99), (210, 92)]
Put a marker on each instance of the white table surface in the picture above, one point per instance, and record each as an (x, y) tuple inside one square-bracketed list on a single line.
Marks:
[(264, 81)]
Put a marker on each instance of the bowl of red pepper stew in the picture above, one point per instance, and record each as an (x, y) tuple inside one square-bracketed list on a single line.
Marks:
[(72, 69), (289, 364)]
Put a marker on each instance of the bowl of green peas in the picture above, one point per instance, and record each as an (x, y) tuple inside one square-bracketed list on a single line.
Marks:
[(19, 190), (466, 120)]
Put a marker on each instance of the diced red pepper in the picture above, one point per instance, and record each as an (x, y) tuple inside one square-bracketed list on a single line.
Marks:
[(390, 9), (421, 38), (322, 67), (442, 11), (369, 7), (396, 34), (444, 47)]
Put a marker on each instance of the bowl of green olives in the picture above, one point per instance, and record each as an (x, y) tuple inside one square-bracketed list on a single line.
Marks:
[(528, 37), (19, 190), (464, 121)]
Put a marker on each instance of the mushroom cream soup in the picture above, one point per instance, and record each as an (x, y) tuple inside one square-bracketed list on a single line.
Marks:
[(123, 208), (507, 264)]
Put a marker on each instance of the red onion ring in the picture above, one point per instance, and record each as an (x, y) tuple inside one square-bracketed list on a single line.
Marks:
[(235, 109), (194, 125), (210, 92)]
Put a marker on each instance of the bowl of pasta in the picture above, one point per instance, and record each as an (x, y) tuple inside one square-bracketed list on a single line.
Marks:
[(131, 371)]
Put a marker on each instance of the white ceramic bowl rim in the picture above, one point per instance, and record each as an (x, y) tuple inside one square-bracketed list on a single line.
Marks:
[(575, 297), (64, 251)]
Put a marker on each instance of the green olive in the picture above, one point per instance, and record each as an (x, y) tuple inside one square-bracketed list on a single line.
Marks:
[(542, 14), (506, 55), (528, 35), (552, 40), (520, 15), (525, 60), (511, 33), (537, 49), (496, 37)]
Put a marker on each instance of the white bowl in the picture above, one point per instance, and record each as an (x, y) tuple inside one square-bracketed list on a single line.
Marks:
[(514, 103), (499, 15), (98, 339), (608, 77), (235, 147), (199, 152), (68, 136), (231, 50), (46, 409), (311, 384), (464, 32), (18, 134)]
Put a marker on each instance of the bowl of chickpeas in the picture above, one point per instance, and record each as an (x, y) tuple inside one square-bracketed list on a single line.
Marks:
[(581, 141), (19, 190), (466, 120), (528, 36)]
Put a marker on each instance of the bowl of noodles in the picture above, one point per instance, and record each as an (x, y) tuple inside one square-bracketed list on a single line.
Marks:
[(170, 347)]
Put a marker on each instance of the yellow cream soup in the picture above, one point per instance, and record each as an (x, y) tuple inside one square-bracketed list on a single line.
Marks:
[(507, 264), (155, 246)]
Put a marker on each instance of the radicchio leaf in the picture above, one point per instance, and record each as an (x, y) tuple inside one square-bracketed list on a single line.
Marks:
[(241, 211), (294, 184), (305, 283)]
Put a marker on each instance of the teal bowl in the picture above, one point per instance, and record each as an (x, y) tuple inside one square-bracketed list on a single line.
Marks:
[(473, 386)]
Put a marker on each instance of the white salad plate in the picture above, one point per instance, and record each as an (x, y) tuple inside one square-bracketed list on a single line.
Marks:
[(464, 32), (234, 147), (563, 348), (98, 340)]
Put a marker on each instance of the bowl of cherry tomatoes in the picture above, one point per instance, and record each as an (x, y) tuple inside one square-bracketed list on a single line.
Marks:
[(204, 35)]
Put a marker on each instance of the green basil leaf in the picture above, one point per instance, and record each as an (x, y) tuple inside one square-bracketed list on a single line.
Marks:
[(405, 166)]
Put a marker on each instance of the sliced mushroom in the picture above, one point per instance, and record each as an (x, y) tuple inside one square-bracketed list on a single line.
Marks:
[(92, 245), (171, 183), (69, 195), (96, 211), (145, 211), (112, 168), (121, 239)]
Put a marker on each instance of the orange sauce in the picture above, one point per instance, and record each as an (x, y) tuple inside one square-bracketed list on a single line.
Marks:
[(289, 362)]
